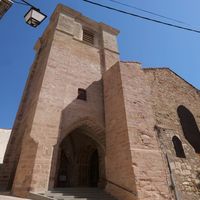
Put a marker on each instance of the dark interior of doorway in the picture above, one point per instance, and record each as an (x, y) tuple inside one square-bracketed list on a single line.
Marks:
[(78, 162)]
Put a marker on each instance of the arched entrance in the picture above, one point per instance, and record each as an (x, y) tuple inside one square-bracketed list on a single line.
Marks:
[(79, 161)]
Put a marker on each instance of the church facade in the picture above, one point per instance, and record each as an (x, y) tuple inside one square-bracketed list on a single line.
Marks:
[(88, 120)]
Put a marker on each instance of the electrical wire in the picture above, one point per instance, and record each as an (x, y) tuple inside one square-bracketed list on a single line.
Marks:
[(143, 17), (17, 2), (149, 12)]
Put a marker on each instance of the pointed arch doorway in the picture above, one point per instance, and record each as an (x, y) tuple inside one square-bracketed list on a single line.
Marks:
[(80, 161)]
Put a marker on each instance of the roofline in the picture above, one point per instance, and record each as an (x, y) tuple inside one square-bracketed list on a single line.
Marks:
[(168, 69), (79, 16), (122, 61)]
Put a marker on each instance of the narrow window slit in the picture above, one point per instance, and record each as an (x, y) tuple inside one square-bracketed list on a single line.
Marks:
[(178, 147), (82, 94)]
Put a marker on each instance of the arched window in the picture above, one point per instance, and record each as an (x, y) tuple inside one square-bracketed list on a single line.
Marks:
[(178, 147), (190, 128)]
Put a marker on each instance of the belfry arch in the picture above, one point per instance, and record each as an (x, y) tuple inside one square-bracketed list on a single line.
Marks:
[(80, 160)]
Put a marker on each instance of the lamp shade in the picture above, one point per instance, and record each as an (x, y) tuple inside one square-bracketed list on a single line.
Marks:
[(34, 17)]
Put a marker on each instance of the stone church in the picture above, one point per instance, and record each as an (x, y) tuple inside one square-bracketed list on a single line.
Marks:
[(87, 120)]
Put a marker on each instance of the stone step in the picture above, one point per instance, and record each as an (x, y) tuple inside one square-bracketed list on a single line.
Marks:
[(75, 194), (77, 189), (78, 195)]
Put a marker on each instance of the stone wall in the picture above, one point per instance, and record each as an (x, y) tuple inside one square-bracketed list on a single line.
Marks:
[(21, 125), (131, 140), (169, 92), (119, 170), (131, 114), (151, 180), (23, 122), (51, 109)]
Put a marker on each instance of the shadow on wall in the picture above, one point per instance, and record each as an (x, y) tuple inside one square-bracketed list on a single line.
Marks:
[(80, 119), (189, 126), (85, 110)]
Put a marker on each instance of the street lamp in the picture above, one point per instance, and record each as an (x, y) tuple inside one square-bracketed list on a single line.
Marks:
[(33, 17)]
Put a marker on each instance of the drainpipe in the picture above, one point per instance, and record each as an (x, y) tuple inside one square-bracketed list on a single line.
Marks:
[(176, 192)]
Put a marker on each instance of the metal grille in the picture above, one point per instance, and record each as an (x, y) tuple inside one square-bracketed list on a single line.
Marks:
[(88, 36), (4, 6)]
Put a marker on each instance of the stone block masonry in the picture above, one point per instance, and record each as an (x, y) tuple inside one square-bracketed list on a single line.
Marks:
[(88, 120)]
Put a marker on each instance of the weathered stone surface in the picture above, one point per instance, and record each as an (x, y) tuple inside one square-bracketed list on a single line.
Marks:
[(119, 170), (169, 92), (119, 136)]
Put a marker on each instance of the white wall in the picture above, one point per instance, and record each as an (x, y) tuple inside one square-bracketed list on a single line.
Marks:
[(4, 137)]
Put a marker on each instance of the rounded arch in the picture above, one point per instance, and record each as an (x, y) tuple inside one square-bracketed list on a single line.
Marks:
[(178, 147), (189, 127)]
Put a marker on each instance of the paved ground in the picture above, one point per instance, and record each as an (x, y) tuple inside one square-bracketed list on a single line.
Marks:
[(6, 197)]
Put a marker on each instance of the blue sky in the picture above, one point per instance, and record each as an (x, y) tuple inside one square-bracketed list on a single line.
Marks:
[(151, 44)]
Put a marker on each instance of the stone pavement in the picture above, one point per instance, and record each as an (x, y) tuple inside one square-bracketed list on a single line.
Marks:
[(6, 197)]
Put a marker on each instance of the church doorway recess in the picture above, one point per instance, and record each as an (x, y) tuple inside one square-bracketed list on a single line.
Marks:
[(79, 161)]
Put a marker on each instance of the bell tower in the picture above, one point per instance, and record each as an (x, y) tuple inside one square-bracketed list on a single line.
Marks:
[(71, 57)]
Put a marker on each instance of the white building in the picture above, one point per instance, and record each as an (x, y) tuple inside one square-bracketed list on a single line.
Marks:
[(4, 138)]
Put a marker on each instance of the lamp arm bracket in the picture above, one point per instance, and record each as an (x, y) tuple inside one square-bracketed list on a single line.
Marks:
[(24, 1)]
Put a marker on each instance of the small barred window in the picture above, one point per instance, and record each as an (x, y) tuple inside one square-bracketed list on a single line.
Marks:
[(82, 95), (88, 36)]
